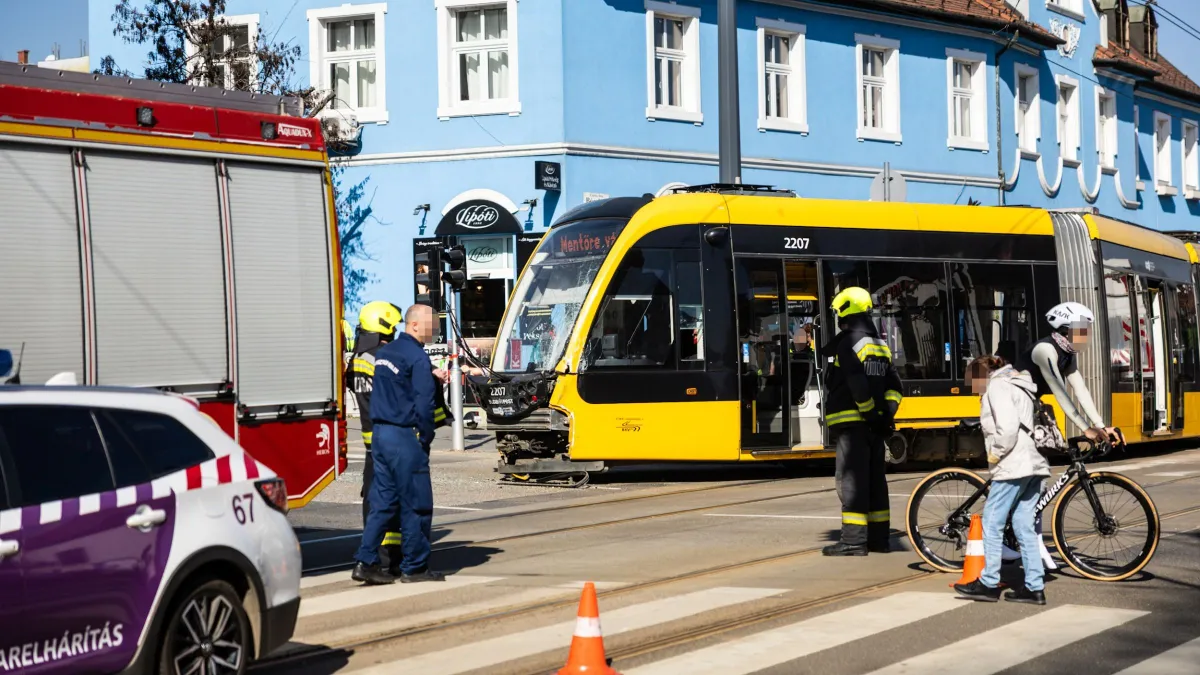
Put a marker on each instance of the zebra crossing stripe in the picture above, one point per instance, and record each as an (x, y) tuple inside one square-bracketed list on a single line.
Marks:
[(1182, 660), (373, 595), (1015, 643), (778, 646), (505, 648)]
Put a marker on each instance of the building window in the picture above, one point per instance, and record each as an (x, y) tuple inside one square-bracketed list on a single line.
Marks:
[(233, 53), (673, 62), (1028, 105), (347, 48), (781, 77), (1068, 119), (1106, 127), (1162, 153), (967, 98), (477, 58), (1191, 159), (878, 88), (1072, 6)]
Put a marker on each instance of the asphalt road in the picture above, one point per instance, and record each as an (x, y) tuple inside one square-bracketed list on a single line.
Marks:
[(723, 576)]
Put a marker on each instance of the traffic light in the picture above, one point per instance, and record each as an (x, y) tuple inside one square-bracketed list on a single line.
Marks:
[(456, 264), (429, 275)]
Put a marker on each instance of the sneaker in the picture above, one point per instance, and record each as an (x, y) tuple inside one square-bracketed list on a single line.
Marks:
[(371, 575), (976, 590), (424, 575), (1026, 596), (842, 549)]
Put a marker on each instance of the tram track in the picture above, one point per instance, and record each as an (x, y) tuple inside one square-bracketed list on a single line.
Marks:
[(615, 521), (310, 654)]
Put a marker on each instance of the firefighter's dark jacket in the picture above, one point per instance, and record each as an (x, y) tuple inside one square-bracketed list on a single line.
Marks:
[(404, 391), (862, 384), (360, 375)]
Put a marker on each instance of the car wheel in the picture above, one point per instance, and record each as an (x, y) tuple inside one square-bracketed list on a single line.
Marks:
[(207, 632)]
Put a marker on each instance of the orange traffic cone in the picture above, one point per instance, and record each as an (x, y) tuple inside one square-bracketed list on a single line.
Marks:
[(587, 647), (973, 563)]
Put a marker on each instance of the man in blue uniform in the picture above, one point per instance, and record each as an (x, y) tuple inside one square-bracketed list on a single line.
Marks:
[(402, 411)]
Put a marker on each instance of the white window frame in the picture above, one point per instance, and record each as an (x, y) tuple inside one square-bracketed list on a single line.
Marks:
[(690, 110), (797, 119), (1068, 147), (1106, 132), (891, 89), (319, 65), (978, 93), (1028, 141), (1163, 185), (1191, 159), (1071, 8), (448, 103), (251, 22)]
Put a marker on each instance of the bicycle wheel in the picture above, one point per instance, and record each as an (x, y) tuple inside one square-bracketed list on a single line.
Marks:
[(939, 540), (1114, 544)]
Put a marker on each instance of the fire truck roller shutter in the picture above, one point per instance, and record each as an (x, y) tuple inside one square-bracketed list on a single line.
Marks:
[(281, 270), (160, 281), (41, 292)]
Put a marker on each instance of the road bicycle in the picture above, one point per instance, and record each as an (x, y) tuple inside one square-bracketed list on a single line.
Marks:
[(1104, 524)]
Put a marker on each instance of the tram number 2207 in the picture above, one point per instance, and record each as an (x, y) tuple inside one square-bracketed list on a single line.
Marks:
[(795, 243)]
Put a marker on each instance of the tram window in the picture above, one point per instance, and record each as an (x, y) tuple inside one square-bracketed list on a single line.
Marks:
[(690, 307), (1120, 328), (635, 326), (1189, 345), (993, 309), (1046, 295), (913, 317)]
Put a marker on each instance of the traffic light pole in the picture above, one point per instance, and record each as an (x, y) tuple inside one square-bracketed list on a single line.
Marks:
[(458, 442)]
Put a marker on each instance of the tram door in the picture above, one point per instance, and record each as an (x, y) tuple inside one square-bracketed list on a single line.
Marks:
[(803, 314), (1176, 299), (763, 366), (1152, 353)]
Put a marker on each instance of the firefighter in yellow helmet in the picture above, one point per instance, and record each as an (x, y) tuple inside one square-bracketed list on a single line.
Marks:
[(861, 398), (377, 324)]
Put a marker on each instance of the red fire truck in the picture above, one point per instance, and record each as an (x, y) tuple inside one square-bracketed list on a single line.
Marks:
[(177, 237)]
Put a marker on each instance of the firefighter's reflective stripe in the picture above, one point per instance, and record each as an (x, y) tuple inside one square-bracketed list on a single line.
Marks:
[(391, 539), (868, 406), (439, 415), (868, 347), (843, 417), (348, 333), (367, 437), (851, 518), (879, 516), (893, 396), (365, 364)]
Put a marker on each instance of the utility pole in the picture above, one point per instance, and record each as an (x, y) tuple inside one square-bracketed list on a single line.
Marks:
[(458, 441), (727, 88)]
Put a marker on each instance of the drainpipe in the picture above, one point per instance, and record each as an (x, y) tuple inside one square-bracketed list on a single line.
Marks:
[(999, 134)]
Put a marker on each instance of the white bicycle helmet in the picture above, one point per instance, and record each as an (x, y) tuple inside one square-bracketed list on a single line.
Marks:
[(1067, 314)]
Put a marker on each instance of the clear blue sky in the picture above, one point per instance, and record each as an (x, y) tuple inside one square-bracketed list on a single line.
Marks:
[(37, 24)]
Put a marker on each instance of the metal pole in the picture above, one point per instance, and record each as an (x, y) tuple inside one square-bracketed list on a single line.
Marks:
[(727, 86), (457, 441)]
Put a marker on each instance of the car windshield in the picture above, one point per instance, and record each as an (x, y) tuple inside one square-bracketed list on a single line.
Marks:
[(549, 294)]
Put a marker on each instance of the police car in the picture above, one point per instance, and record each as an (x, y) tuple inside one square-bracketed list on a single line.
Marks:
[(136, 537)]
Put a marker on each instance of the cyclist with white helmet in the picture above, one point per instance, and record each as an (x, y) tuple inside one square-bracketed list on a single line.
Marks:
[(1053, 364)]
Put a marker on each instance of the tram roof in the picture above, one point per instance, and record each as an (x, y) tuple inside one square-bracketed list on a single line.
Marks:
[(847, 214)]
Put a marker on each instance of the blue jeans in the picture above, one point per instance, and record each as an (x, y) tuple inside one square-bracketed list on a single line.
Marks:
[(1024, 492), (401, 484)]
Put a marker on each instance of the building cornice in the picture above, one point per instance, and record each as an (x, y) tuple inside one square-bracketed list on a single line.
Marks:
[(656, 155)]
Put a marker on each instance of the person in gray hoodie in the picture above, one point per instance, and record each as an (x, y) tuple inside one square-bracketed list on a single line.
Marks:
[(1018, 469)]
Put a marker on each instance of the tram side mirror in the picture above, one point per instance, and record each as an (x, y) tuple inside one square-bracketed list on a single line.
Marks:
[(6, 363), (717, 236)]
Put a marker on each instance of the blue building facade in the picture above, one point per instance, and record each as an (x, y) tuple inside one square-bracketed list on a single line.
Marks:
[(1051, 103)]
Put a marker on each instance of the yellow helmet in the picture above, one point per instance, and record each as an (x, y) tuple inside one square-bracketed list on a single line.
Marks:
[(380, 317), (853, 300)]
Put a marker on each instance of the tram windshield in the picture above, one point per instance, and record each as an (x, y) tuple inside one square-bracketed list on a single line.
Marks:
[(549, 294)]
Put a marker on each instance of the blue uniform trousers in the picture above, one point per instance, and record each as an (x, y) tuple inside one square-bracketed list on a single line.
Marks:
[(401, 483)]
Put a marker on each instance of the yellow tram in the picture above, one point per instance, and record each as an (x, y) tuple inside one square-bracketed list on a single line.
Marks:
[(689, 327)]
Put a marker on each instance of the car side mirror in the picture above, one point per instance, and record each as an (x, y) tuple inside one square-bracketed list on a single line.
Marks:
[(6, 363)]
